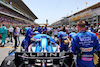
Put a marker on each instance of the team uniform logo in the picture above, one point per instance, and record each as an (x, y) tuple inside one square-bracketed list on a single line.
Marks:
[(87, 49)]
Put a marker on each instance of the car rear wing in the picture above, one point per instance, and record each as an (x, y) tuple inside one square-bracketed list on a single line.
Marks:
[(43, 55)]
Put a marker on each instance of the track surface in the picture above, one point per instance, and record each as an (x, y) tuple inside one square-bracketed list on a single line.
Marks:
[(8, 47)]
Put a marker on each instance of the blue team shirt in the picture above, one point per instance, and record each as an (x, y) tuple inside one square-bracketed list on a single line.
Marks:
[(29, 32), (39, 29), (85, 42), (14, 33), (26, 41), (92, 29), (72, 34), (63, 36), (45, 29)]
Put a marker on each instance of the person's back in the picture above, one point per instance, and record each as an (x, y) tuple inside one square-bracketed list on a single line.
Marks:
[(15, 36), (73, 28), (76, 30), (71, 35), (10, 33), (3, 32), (45, 30), (63, 42), (10, 29), (48, 29), (4, 27), (18, 33), (29, 32), (64, 29), (92, 29), (14, 31), (18, 29), (39, 29), (84, 43), (62, 34), (69, 30), (55, 31), (87, 42)]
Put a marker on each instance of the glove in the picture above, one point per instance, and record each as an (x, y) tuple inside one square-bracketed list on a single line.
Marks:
[(41, 32), (95, 59), (66, 42)]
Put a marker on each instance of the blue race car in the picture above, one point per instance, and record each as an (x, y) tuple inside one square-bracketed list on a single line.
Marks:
[(43, 51), (43, 43)]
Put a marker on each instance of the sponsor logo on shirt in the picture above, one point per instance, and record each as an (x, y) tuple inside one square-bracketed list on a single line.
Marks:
[(85, 38), (87, 49), (64, 37)]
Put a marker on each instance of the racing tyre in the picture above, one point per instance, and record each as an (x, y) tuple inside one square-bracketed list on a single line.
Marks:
[(8, 62)]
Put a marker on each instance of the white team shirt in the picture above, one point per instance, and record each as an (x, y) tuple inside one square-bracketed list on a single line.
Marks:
[(10, 29)]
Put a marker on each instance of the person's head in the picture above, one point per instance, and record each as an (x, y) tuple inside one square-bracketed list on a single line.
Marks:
[(59, 26), (56, 28), (32, 26), (3, 25), (95, 30), (63, 25), (42, 26), (61, 29), (28, 26), (91, 26), (45, 25), (14, 28), (73, 31), (81, 25), (86, 27), (10, 25), (53, 27)]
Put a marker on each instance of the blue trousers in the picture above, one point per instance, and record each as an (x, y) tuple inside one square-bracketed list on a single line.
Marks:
[(63, 47), (25, 43)]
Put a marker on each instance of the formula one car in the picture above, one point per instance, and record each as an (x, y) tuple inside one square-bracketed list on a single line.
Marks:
[(42, 52)]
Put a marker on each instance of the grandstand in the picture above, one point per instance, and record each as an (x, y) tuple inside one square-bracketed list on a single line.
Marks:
[(90, 15), (15, 12)]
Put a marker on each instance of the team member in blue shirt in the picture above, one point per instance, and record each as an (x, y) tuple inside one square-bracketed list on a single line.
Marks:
[(92, 29), (85, 43), (71, 35), (45, 29), (28, 36), (63, 41), (39, 29)]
